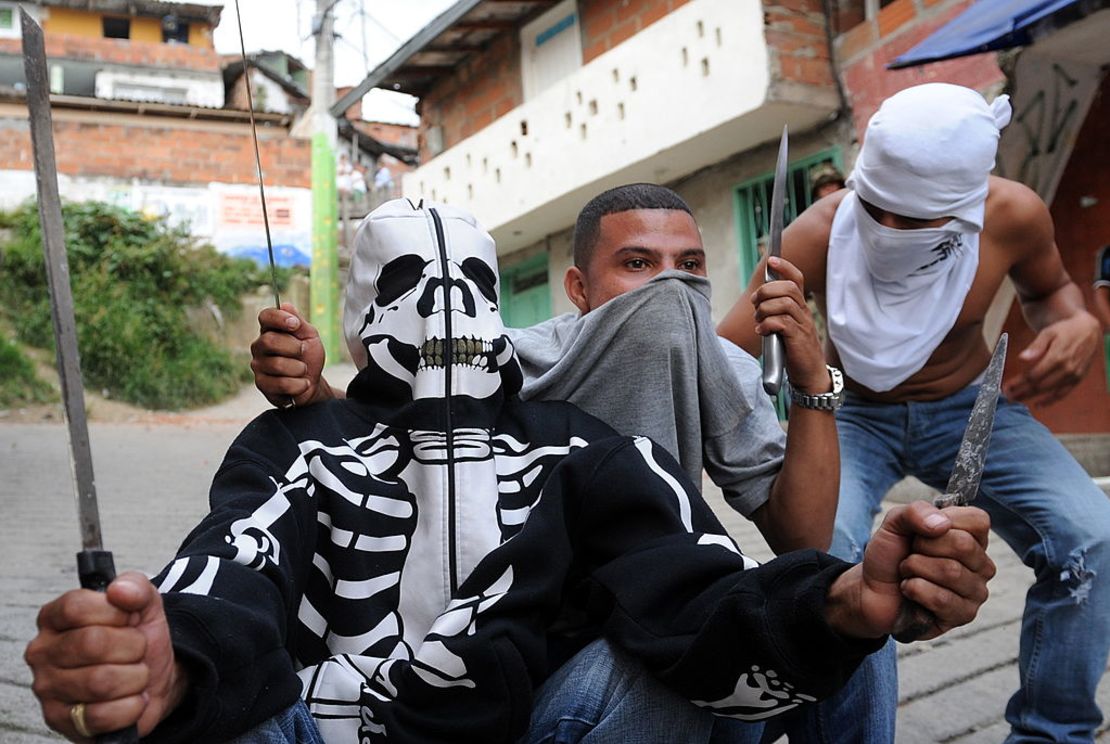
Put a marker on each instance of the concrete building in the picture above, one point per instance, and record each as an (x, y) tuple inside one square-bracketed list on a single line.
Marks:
[(530, 108)]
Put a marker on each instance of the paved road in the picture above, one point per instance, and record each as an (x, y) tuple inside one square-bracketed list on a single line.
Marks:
[(153, 477)]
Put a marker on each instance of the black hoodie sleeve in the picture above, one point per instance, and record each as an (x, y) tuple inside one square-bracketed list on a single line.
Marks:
[(232, 591)]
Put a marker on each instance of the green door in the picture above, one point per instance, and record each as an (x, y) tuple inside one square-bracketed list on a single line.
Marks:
[(525, 293)]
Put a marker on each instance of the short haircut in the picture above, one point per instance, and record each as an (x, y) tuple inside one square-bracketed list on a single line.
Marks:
[(625, 198)]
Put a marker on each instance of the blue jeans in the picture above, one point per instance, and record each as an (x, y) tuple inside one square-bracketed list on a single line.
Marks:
[(294, 725), (1042, 503), (602, 696)]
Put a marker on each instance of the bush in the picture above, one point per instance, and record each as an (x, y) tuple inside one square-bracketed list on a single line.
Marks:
[(19, 385), (132, 280)]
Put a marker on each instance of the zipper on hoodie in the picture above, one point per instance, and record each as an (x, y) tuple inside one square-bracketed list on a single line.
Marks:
[(449, 356)]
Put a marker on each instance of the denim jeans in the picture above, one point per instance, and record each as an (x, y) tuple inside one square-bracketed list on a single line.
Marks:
[(601, 696), (1042, 503), (294, 725)]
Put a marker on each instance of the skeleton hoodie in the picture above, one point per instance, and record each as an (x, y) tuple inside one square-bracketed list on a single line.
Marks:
[(404, 559)]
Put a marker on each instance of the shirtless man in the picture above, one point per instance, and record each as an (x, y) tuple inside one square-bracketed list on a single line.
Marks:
[(904, 264)]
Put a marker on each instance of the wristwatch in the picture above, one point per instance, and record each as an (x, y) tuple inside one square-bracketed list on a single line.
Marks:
[(822, 401)]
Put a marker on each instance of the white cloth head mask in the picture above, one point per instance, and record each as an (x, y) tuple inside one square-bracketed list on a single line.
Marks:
[(893, 294)]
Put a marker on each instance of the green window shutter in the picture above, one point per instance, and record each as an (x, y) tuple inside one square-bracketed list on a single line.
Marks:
[(526, 293)]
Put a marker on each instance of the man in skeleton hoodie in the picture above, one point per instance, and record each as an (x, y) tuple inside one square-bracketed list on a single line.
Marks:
[(394, 567)]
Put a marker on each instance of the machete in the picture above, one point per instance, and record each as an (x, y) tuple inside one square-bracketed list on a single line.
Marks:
[(257, 158), (772, 344), (94, 564), (914, 620)]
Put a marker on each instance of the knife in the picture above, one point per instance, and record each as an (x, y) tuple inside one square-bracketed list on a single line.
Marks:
[(95, 566), (772, 344), (963, 485)]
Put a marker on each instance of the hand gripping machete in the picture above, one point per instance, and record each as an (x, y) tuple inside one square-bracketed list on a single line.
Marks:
[(94, 564), (772, 344), (914, 620)]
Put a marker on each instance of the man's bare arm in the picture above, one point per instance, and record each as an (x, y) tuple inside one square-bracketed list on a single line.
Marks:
[(1067, 335)]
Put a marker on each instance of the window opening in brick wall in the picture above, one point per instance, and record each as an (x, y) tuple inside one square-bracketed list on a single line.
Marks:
[(751, 205), (116, 28), (526, 293), (7, 21), (174, 30)]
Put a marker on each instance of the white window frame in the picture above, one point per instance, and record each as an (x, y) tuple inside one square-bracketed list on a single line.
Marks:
[(14, 32)]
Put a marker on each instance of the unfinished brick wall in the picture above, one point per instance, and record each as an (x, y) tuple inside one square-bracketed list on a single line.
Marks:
[(168, 151), (124, 52), (863, 52), (798, 41), (483, 89), (605, 23)]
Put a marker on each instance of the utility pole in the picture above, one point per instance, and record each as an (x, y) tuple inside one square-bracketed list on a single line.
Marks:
[(318, 123)]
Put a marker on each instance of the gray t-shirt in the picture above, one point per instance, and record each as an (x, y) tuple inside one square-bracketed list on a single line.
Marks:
[(649, 362)]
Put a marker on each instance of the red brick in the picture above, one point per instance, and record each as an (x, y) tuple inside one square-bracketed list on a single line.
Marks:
[(594, 50), (798, 6), (850, 44), (896, 15), (789, 43), (806, 70)]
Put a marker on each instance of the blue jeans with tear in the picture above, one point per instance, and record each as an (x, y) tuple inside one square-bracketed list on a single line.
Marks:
[(1041, 502)]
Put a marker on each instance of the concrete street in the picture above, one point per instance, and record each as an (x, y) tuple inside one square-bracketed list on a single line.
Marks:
[(153, 475)]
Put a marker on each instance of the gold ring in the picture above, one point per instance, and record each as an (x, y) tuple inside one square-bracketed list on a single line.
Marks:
[(77, 716)]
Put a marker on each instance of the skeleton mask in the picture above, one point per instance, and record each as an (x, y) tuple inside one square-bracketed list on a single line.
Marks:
[(421, 305)]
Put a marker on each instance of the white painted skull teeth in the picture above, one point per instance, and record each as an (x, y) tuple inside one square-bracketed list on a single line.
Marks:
[(468, 351)]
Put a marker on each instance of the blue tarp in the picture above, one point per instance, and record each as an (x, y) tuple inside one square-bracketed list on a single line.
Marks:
[(987, 25)]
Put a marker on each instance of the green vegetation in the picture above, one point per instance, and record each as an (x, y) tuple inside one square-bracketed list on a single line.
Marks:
[(132, 279), (18, 383)]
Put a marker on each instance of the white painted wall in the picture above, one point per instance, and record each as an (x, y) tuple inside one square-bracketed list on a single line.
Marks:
[(688, 91), (166, 87)]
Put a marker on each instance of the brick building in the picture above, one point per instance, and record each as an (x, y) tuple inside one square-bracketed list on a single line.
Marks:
[(529, 108), (148, 115)]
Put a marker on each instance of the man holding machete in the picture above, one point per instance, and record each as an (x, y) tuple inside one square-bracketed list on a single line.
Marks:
[(905, 263)]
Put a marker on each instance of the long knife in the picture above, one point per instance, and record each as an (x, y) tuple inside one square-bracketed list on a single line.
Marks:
[(963, 484), (257, 158), (94, 564), (772, 344)]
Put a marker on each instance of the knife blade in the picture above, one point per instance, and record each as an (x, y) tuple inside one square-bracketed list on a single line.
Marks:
[(773, 361), (95, 565), (967, 471)]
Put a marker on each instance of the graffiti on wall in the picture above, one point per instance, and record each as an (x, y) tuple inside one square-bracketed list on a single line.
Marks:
[(1051, 98)]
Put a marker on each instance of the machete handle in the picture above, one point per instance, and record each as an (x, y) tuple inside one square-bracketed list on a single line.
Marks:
[(772, 364), (96, 570), (913, 621)]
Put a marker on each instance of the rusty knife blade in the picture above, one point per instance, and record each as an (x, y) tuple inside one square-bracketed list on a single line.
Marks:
[(967, 471)]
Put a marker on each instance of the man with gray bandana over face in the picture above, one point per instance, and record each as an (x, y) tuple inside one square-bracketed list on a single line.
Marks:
[(904, 263)]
